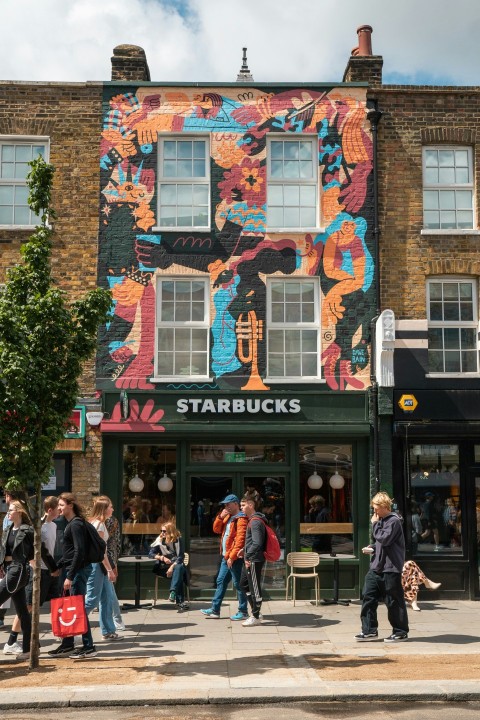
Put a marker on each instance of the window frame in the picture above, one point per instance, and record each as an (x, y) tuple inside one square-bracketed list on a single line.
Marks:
[(282, 182), (205, 324), (21, 140), (315, 325), (456, 324), (439, 187), (163, 180)]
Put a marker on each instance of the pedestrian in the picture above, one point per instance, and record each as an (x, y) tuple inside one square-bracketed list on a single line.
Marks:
[(231, 524), (114, 545), (9, 495), (412, 578), (254, 559), (169, 551), (49, 572), (100, 580), (16, 551), (384, 577), (76, 568)]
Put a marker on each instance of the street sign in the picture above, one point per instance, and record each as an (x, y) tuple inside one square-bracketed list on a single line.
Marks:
[(408, 403)]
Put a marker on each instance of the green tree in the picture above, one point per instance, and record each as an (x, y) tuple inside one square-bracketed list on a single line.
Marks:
[(44, 343)]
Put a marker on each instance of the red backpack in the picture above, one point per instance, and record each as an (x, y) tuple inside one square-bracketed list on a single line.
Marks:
[(272, 550)]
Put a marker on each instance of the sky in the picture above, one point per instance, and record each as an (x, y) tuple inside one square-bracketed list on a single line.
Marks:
[(434, 42)]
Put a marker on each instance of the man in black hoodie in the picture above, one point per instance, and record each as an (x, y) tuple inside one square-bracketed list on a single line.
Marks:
[(384, 578), (255, 541)]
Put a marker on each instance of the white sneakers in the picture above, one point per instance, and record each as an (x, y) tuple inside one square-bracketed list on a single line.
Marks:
[(14, 649), (251, 621)]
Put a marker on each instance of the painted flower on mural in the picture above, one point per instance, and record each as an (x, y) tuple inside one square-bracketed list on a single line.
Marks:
[(244, 183)]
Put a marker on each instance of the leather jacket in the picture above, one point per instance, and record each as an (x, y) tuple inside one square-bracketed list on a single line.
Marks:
[(23, 548)]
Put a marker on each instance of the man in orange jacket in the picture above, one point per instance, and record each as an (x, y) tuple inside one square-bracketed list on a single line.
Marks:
[(231, 524)]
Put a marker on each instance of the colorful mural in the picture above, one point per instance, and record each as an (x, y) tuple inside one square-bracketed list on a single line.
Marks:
[(236, 252)]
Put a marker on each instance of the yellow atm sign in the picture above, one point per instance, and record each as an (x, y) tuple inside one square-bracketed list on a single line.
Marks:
[(408, 403)]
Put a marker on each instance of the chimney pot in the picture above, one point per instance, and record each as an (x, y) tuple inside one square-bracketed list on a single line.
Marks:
[(364, 40)]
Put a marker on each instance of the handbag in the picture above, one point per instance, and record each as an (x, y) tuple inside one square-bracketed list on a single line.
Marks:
[(68, 615)]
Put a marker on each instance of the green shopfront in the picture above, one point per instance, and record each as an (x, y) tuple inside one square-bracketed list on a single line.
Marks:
[(174, 456)]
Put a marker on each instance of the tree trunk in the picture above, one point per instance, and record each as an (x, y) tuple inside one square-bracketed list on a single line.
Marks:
[(37, 525)]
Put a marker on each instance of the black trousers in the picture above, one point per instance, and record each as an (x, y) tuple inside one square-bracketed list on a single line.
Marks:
[(378, 587), (250, 583), (13, 586)]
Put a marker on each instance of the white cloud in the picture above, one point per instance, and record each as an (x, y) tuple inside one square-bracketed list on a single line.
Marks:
[(72, 40)]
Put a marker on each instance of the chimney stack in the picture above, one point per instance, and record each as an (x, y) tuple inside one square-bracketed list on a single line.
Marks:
[(129, 63), (362, 65)]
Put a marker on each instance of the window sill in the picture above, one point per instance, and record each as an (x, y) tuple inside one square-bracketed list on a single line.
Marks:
[(181, 378), (298, 381), (449, 232), (159, 228), (461, 376), (29, 228), (283, 231)]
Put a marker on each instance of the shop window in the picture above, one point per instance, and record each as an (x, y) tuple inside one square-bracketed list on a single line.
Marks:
[(447, 188), (149, 494), (293, 340), (292, 189), (184, 183), (326, 492), (436, 503), (237, 453), (14, 158), (183, 328), (452, 326)]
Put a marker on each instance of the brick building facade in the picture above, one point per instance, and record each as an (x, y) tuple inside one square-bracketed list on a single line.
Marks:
[(64, 119), (237, 226), (428, 179)]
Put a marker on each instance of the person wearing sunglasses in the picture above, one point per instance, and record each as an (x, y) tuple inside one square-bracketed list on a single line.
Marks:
[(168, 550), (16, 551)]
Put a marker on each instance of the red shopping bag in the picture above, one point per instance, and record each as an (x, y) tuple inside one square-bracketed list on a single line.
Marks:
[(68, 615)]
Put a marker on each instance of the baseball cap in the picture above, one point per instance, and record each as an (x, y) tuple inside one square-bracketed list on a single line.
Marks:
[(228, 499)]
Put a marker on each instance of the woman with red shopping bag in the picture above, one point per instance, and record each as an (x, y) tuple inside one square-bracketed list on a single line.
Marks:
[(77, 570), (16, 551)]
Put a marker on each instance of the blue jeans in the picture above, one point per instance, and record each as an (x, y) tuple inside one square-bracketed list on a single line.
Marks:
[(98, 594), (177, 582), (116, 612), (79, 587), (225, 574)]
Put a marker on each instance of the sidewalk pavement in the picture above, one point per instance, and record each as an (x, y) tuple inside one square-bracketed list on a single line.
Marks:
[(186, 658)]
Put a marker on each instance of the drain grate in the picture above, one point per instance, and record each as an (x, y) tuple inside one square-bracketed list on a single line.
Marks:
[(305, 642)]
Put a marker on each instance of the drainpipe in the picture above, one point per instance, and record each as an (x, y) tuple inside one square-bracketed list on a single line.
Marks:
[(374, 115)]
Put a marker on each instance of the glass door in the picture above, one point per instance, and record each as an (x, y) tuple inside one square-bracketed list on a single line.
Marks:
[(271, 500), (206, 492)]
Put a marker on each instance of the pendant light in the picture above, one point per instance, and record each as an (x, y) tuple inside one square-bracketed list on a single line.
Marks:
[(136, 484), (337, 481), (315, 482), (165, 484)]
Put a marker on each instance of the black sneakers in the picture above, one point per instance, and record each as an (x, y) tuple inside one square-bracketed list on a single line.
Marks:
[(366, 637), (396, 637), (60, 650), (82, 652)]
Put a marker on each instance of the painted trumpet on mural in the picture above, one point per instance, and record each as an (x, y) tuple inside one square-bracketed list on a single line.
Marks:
[(250, 331)]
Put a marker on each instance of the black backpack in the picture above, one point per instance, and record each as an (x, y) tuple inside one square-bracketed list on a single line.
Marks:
[(95, 546)]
